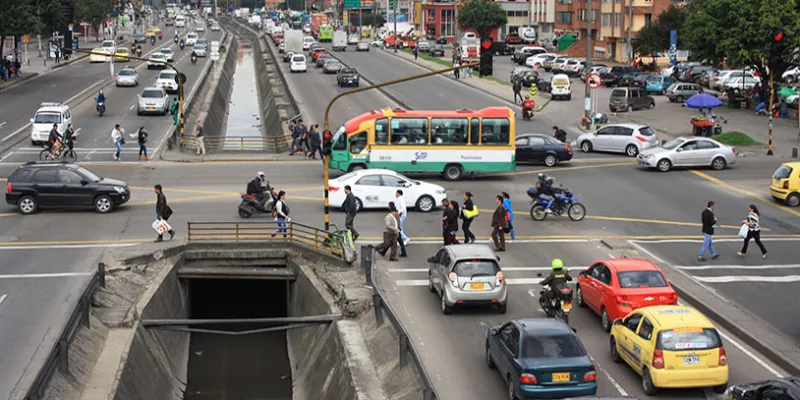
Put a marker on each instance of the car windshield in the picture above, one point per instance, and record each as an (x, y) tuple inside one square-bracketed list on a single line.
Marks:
[(472, 268), (655, 79), (640, 279), (108, 43), (127, 72), (191, 36), (348, 70), (783, 172), (618, 93), (557, 346), (152, 94), (201, 42), (604, 70), (298, 59), (139, 35), (167, 75), (157, 56), (89, 174), (47, 118), (673, 144), (561, 82), (166, 51), (681, 339)]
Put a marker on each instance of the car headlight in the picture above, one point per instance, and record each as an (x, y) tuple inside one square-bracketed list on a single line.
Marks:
[(648, 156), (441, 191), (120, 189)]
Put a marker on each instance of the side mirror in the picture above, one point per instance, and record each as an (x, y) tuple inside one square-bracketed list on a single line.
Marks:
[(584, 273), (84, 182), (492, 331), (679, 149), (431, 260), (407, 184), (618, 321), (31, 119)]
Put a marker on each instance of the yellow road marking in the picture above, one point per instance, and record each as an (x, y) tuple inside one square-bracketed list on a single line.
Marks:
[(179, 200), (754, 195), (553, 170), (8, 214), (3, 179)]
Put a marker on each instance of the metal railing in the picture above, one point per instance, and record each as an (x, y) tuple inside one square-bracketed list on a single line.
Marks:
[(380, 305), (240, 143), (266, 231), (59, 355)]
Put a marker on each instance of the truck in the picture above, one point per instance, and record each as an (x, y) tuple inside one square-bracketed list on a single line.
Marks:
[(255, 21), (294, 40), (317, 20), (325, 33), (340, 41), (470, 48)]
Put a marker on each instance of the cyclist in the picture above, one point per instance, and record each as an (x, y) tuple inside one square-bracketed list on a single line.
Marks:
[(54, 140)]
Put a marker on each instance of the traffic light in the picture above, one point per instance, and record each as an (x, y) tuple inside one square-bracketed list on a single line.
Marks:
[(327, 142), (485, 68), (777, 49)]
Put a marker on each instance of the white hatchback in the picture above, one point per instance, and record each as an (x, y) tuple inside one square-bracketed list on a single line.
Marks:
[(375, 188), (298, 63), (630, 139), (191, 39)]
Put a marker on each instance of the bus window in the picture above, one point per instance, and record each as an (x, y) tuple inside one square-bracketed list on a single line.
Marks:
[(358, 142), (475, 131), (382, 131), (452, 131), (409, 131), (495, 132)]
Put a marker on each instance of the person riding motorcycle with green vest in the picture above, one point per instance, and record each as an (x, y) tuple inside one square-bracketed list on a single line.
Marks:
[(558, 277)]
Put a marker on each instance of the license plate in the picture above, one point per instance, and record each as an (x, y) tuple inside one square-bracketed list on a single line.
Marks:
[(476, 285), (151, 108), (692, 360), (561, 377), (638, 161), (566, 305)]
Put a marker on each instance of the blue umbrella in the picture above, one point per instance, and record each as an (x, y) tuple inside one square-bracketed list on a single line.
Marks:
[(703, 100)]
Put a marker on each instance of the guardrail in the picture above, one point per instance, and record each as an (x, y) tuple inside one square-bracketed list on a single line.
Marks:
[(266, 231), (380, 305), (239, 143), (59, 355)]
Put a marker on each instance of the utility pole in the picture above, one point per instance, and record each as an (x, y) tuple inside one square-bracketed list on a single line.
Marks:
[(455, 20), (587, 107), (394, 16), (630, 27)]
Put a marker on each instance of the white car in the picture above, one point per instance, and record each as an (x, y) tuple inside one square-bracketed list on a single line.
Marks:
[(377, 43), (688, 152), (191, 39), (98, 58), (215, 27), (153, 100), (308, 41), (538, 60), (167, 52), (352, 40), (746, 83), (718, 80), (630, 139), (298, 63), (127, 77), (49, 113), (156, 60), (109, 46), (200, 28), (375, 188), (166, 80)]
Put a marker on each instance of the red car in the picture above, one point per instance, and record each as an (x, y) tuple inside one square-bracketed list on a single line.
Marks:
[(613, 288), (513, 39), (316, 53)]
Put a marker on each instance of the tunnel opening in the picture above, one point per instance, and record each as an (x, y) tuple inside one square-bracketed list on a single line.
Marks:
[(250, 366)]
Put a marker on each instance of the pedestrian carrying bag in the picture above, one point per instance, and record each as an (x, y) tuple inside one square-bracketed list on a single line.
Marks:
[(743, 231), (161, 226)]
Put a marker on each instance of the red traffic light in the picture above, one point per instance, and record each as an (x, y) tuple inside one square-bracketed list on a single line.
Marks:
[(778, 36), (486, 44), (328, 135)]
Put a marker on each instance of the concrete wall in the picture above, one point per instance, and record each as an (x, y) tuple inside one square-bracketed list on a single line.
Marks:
[(277, 104), (156, 363)]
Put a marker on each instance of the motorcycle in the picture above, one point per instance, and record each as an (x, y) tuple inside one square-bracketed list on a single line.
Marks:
[(160, 37), (138, 51), (251, 206), (175, 40), (527, 114), (194, 58), (565, 202), (560, 305), (153, 40), (101, 107), (182, 45)]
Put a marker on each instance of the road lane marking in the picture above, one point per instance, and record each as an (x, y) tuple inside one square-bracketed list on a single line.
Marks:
[(754, 195), (505, 269), (51, 275), (3, 298), (728, 267), (636, 220), (611, 379), (180, 200), (71, 244), (2, 124), (775, 237), (132, 105), (6, 156), (749, 278), (89, 156), (554, 170)]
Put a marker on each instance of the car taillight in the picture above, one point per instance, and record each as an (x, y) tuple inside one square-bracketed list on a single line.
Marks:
[(641, 138), (528, 379), (566, 147), (333, 188), (785, 185), (590, 376), (623, 301), (673, 299), (8, 187), (723, 356), (658, 359)]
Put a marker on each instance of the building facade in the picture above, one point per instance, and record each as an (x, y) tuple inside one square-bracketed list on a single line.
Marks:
[(439, 18)]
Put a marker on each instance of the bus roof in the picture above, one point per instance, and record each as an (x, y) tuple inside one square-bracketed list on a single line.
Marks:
[(489, 112)]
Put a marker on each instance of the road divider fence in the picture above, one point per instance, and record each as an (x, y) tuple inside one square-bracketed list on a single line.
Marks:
[(266, 231)]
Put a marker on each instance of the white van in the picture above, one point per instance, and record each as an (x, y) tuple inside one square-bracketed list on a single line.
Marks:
[(180, 21), (561, 87), (47, 115)]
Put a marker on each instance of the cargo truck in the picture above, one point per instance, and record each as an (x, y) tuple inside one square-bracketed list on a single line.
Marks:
[(318, 20), (340, 41), (294, 40)]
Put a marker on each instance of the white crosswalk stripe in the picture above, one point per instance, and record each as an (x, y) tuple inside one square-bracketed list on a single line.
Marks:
[(509, 281)]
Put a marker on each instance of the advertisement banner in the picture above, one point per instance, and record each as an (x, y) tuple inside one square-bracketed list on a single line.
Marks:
[(673, 47)]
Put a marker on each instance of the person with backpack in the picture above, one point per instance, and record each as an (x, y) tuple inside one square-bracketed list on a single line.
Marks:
[(142, 139), (281, 213)]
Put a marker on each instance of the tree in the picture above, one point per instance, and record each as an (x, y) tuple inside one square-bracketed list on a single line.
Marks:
[(739, 32), (16, 18), (482, 15), (373, 19), (51, 16), (654, 38), (93, 12)]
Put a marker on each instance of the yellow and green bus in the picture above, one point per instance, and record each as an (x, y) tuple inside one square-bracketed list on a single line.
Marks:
[(454, 143), (325, 33)]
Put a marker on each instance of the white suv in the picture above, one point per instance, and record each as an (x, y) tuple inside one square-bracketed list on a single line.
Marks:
[(191, 39), (47, 115), (166, 80), (298, 63)]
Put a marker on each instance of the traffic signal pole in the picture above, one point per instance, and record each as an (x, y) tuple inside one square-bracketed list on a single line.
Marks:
[(771, 111), (327, 131)]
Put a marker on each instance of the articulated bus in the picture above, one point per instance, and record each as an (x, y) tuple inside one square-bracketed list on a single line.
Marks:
[(454, 143)]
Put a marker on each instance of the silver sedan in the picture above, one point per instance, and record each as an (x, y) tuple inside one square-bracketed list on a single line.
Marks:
[(153, 100), (127, 77), (688, 152)]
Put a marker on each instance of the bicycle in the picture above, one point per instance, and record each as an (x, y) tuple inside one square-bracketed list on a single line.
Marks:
[(65, 153)]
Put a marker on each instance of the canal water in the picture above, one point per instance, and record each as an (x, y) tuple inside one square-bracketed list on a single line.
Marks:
[(244, 121)]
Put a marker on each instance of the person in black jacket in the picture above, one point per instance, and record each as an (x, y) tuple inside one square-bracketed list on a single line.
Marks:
[(450, 222), (468, 206), (559, 134), (350, 208), (709, 220), (163, 211)]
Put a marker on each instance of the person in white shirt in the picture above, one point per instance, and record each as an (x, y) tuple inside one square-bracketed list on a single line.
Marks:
[(118, 137), (402, 211)]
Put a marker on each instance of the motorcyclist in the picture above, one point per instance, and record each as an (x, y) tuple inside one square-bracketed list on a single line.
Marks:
[(194, 57), (100, 98), (558, 277), (182, 44), (258, 187), (139, 49), (176, 38), (544, 187), (133, 48), (528, 104)]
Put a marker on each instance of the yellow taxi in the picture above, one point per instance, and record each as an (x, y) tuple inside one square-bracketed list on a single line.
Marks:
[(670, 347), (150, 34), (122, 54), (785, 184), (154, 29)]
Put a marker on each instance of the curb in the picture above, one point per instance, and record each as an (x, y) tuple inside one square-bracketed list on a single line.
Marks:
[(262, 158), (18, 81)]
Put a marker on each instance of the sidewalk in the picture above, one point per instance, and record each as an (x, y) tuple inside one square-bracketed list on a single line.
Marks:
[(189, 156)]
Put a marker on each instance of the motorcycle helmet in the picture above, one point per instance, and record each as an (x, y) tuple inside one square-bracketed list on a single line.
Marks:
[(550, 180), (557, 264), (541, 176), (260, 175)]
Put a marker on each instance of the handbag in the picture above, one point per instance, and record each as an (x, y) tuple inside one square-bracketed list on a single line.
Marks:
[(471, 214), (743, 231), (166, 213), (508, 227), (161, 226)]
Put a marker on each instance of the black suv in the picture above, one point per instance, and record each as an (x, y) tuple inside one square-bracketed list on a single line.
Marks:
[(616, 73), (347, 77), (35, 185)]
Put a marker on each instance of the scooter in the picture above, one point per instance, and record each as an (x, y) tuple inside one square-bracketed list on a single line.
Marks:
[(175, 39), (527, 114), (250, 205), (560, 306), (101, 107), (182, 45), (194, 58), (153, 40)]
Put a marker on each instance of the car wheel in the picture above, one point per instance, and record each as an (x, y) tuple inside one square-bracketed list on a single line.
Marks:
[(793, 200), (550, 160), (718, 164), (489, 361), (453, 172), (103, 204), (27, 205), (631, 150), (720, 388), (586, 146), (652, 105), (679, 99), (647, 383), (445, 308), (629, 108), (425, 203), (664, 165), (569, 97), (579, 295), (359, 204), (502, 308), (356, 167), (605, 320), (612, 350)]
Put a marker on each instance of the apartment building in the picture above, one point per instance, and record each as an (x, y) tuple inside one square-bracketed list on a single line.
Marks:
[(438, 18)]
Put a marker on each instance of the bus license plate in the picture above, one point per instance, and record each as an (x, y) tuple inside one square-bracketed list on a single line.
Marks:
[(692, 360), (561, 377), (476, 285)]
